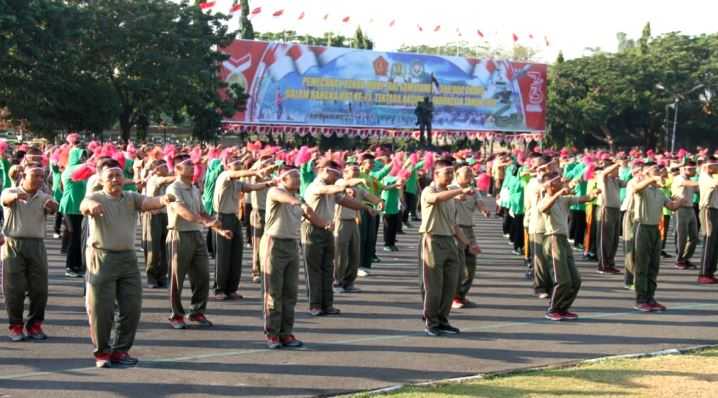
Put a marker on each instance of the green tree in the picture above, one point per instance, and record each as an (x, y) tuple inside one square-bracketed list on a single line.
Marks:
[(246, 28)]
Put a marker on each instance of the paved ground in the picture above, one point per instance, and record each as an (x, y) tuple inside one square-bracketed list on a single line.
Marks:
[(376, 342)]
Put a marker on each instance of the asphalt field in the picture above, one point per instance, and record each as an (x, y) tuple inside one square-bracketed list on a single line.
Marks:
[(376, 342)]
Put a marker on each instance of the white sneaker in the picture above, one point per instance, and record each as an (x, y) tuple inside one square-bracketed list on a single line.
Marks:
[(363, 273), (56, 236)]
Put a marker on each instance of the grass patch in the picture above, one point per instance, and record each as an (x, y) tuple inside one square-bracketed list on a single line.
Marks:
[(693, 375)]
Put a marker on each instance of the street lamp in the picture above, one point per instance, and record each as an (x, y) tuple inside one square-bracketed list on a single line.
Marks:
[(676, 99)]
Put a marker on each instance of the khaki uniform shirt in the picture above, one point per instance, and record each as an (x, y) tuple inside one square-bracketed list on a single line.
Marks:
[(707, 187), (323, 205), (648, 206), (345, 213), (154, 188), (556, 219), (532, 197), (25, 219), (226, 194), (681, 192), (115, 229), (437, 218), (465, 207), (282, 220), (188, 196), (609, 196)]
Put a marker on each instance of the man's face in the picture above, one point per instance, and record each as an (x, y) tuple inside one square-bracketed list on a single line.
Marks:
[(444, 176), (464, 176), (162, 170), (33, 178), (185, 169), (291, 181), (351, 172), (367, 164), (112, 180), (328, 175)]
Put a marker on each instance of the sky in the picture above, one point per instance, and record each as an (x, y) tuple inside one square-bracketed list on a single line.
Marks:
[(569, 26)]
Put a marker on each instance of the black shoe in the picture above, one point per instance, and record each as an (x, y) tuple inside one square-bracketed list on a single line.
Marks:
[(375, 259), (664, 254), (434, 332), (448, 329)]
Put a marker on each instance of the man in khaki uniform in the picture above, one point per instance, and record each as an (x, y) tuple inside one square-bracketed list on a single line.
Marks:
[(156, 226), (112, 274), (683, 187), (347, 244), (629, 228), (542, 279), (440, 268), (609, 215), (708, 207), (466, 205), (279, 252), (555, 207), (24, 259), (321, 196), (648, 203), (225, 202), (186, 246), (257, 216)]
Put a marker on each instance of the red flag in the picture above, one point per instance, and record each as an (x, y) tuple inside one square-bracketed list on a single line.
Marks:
[(531, 36), (392, 23), (278, 13), (515, 37), (437, 28), (206, 5), (481, 35), (345, 19), (236, 7), (256, 11), (420, 28), (301, 16)]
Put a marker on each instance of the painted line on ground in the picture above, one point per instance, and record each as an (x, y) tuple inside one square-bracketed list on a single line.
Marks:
[(149, 362)]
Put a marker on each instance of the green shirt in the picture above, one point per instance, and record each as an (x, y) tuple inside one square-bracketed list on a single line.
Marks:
[(129, 174), (73, 191), (56, 184), (214, 169), (306, 176), (390, 196), (4, 170), (412, 183)]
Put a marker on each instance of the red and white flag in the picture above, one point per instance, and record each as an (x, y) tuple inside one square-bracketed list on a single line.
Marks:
[(345, 19), (437, 28), (420, 28), (301, 16), (515, 37), (207, 5), (278, 62), (278, 13), (392, 23), (256, 11), (480, 33), (303, 57)]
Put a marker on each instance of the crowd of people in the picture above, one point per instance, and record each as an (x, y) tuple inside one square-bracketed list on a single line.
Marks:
[(323, 209)]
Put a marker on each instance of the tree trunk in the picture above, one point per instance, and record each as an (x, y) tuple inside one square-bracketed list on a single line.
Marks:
[(125, 124)]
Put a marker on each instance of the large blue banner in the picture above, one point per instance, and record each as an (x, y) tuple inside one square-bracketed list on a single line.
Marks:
[(293, 84)]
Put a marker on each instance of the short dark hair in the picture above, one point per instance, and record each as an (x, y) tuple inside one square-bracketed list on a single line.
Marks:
[(441, 163)]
